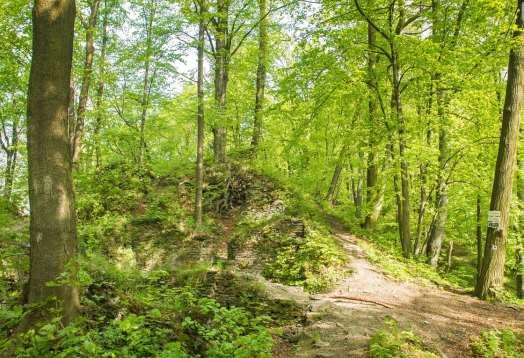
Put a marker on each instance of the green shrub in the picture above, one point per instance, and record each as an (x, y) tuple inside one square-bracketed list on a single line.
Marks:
[(393, 342), (498, 343), (314, 261), (136, 314)]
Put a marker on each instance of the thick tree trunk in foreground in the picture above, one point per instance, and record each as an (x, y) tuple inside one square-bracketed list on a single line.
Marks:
[(492, 274), (261, 74), (90, 28), (52, 224), (520, 225), (200, 118)]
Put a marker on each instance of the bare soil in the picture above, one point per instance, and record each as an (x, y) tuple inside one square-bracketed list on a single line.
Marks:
[(342, 321)]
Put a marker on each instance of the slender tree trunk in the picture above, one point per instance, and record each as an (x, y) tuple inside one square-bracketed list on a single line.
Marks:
[(90, 28), (261, 74), (100, 89), (10, 168), (424, 197), (374, 194), (404, 202), (146, 86), (333, 186), (438, 232), (200, 117), (52, 224), (492, 273), (335, 179), (450, 256), (222, 52), (479, 235), (357, 184)]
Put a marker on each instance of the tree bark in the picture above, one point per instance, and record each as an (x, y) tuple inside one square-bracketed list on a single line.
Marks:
[(357, 184), (520, 224), (261, 74), (492, 272), (404, 207), (438, 231), (146, 86), (479, 235), (52, 224), (100, 89), (335, 179), (374, 194), (424, 197), (333, 186), (11, 153), (222, 54), (90, 28), (200, 117)]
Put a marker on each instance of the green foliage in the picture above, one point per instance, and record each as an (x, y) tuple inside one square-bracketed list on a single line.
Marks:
[(392, 342), (314, 262), (14, 261), (498, 343), (129, 314), (116, 188)]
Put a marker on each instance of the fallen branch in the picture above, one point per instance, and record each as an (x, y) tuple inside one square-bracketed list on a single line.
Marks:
[(361, 300)]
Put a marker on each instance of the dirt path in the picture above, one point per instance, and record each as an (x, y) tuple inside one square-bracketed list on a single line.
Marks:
[(342, 321)]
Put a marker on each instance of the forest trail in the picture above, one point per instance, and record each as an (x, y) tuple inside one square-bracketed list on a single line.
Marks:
[(342, 321)]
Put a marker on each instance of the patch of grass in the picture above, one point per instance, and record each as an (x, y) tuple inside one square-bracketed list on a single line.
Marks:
[(498, 343), (393, 342)]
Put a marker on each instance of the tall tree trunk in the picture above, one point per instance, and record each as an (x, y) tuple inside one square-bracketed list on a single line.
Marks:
[(100, 89), (520, 225), (357, 184), (424, 197), (146, 86), (403, 206), (335, 179), (222, 53), (438, 231), (478, 235), (374, 194), (335, 182), (52, 224), (261, 74), (200, 117), (492, 273), (11, 159), (90, 28)]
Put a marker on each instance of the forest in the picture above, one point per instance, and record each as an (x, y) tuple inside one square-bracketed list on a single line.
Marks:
[(261, 178)]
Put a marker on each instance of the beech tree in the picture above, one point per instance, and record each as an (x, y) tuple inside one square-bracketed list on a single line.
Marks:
[(199, 177), (491, 277), (77, 129), (520, 220), (52, 226), (261, 72)]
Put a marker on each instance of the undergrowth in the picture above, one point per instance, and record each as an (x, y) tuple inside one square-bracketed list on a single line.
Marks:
[(498, 343), (391, 341)]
